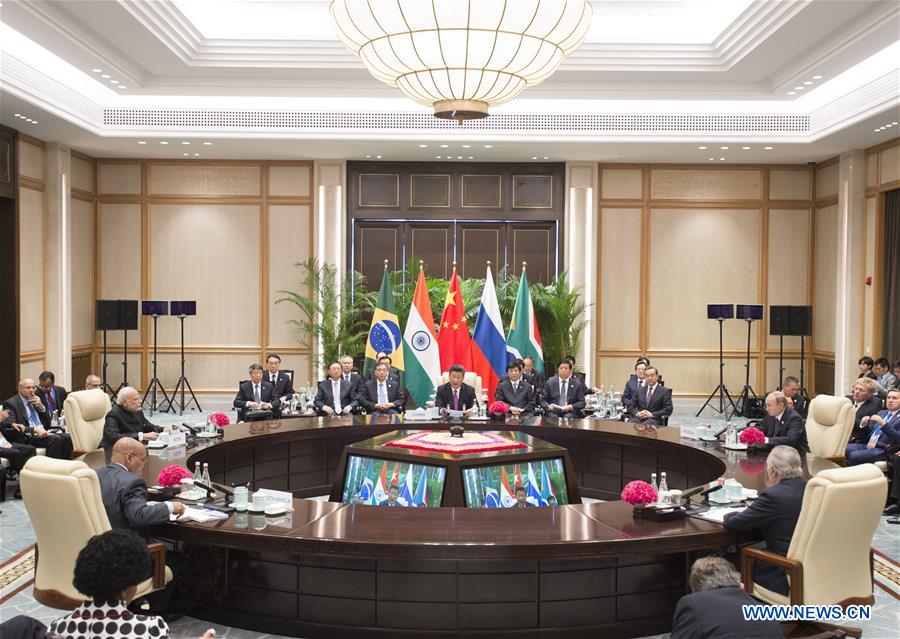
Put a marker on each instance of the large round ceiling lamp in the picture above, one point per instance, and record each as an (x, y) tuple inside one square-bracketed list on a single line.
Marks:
[(461, 56)]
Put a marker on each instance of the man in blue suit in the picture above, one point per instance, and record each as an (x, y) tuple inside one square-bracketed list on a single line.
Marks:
[(774, 513), (877, 432)]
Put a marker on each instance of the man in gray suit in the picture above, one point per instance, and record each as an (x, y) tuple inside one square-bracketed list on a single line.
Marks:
[(886, 382), (124, 492)]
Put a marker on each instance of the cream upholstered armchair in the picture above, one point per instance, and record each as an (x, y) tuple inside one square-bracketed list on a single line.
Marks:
[(85, 415), (828, 426), (469, 378), (829, 559), (63, 501)]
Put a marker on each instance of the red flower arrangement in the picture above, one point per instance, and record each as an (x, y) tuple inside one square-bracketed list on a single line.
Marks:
[(220, 419), (499, 407), (639, 492), (751, 436), (172, 475)]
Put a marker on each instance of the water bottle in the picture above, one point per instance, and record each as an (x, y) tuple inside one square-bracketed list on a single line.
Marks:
[(730, 435), (205, 477), (653, 482), (54, 420), (482, 410), (198, 476), (210, 425), (611, 401), (663, 486)]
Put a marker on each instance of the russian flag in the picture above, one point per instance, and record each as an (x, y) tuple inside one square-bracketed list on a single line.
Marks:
[(406, 490), (488, 343), (533, 494)]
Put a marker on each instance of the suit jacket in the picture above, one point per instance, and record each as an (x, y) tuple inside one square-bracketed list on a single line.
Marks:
[(574, 395), (628, 395), (60, 396), (368, 397), (801, 406), (284, 386), (393, 375), (717, 614), (536, 379), (523, 397), (357, 382), (775, 514), (789, 430), (325, 396), (868, 408), (123, 423), (125, 500), (18, 414), (890, 431), (245, 394), (660, 402), (886, 383), (444, 397)]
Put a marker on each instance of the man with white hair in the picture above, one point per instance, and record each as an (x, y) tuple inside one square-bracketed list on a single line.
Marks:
[(126, 419), (782, 424), (27, 421), (774, 513)]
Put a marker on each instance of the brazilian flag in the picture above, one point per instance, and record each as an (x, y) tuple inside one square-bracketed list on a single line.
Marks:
[(384, 332)]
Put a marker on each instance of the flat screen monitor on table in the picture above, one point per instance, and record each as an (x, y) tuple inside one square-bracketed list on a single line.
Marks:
[(384, 482), (495, 486)]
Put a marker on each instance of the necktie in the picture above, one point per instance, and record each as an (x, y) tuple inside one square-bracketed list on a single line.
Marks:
[(347, 377), (455, 400), (515, 387), (564, 391), (256, 393), (649, 393), (382, 393), (274, 377), (52, 401), (33, 419)]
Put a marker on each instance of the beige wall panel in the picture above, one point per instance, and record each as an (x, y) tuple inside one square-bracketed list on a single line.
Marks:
[(621, 184), (872, 169), (789, 185), (193, 179), (208, 253), (700, 375), (300, 364), (31, 160), (120, 179), (31, 369), (791, 367), (82, 175), (31, 265), (827, 180), (615, 371), (82, 272), (206, 371), (620, 278), (289, 228), (120, 257), (788, 264), (114, 370), (869, 291), (700, 257), (698, 184), (825, 279), (890, 164), (289, 180)]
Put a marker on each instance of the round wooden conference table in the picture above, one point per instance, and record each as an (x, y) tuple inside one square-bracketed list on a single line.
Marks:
[(329, 569)]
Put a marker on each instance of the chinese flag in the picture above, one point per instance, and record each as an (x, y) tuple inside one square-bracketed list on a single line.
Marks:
[(453, 336)]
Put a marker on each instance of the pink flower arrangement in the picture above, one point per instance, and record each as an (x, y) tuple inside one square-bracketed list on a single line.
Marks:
[(499, 407), (639, 492), (751, 435), (220, 419), (172, 475)]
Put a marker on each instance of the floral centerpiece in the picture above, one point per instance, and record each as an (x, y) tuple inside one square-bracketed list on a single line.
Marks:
[(639, 494), (751, 436), (220, 419), (172, 475), (498, 410)]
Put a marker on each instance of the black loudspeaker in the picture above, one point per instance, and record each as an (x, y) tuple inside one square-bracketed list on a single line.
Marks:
[(800, 321), (128, 310), (107, 315), (778, 320)]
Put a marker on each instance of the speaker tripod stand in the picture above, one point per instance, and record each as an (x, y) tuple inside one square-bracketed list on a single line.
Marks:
[(103, 385), (745, 404), (124, 363), (719, 390), (183, 384), (155, 385)]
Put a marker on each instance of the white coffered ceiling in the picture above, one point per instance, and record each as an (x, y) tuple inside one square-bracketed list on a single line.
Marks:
[(654, 80)]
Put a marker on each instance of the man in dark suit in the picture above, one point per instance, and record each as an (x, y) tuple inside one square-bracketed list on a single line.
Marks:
[(879, 431), (774, 513), (381, 395), (455, 395), (652, 404), (335, 395), (393, 373), (791, 389), (51, 395), (16, 454), (634, 385), (352, 377), (531, 375), (515, 391), (865, 403), (521, 498), (28, 421), (783, 426), (256, 394), (126, 419), (124, 492), (714, 610), (562, 395), (284, 385), (392, 496)]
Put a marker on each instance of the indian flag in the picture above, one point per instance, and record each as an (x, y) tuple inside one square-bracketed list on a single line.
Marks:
[(420, 349), (524, 337)]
